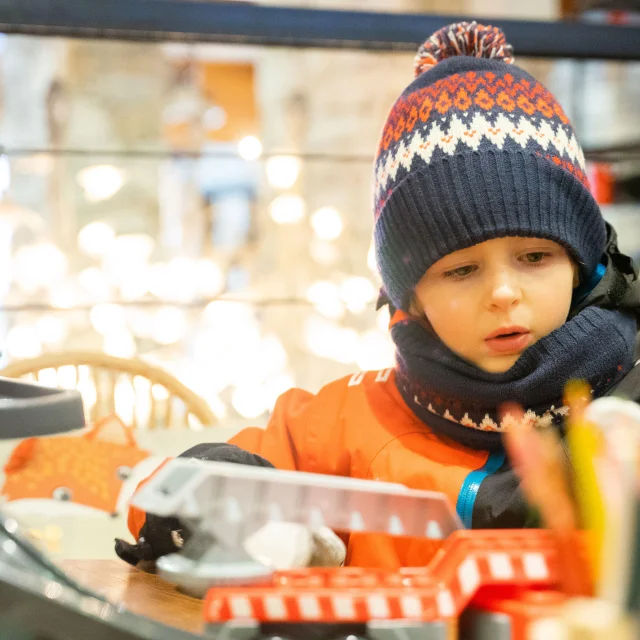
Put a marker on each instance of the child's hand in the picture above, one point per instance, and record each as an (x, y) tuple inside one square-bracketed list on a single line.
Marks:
[(538, 459), (287, 545)]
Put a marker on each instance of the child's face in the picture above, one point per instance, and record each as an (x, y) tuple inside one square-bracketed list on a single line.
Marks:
[(489, 302)]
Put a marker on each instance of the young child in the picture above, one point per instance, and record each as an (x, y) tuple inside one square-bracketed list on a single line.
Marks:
[(504, 283)]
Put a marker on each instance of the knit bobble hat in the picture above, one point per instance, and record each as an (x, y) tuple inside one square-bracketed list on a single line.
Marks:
[(474, 149)]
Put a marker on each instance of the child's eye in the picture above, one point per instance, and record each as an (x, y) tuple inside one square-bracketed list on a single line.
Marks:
[(460, 272), (534, 257)]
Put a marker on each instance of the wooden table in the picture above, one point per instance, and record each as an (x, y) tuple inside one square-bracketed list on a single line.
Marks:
[(141, 593)]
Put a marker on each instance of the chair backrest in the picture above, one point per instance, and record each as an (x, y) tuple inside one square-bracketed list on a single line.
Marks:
[(141, 394)]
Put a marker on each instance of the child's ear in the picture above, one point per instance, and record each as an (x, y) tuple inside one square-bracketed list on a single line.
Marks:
[(576, 276), (418, 313)]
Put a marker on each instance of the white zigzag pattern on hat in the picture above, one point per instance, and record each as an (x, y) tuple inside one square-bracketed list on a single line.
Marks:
[(543, 421), (479, 128)]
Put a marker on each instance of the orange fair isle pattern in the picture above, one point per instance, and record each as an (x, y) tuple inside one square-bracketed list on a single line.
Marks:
[(88, 469), (476, 111), (461, 93)]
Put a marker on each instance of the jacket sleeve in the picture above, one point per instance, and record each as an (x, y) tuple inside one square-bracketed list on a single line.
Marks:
[(304, 433), (285, 439)]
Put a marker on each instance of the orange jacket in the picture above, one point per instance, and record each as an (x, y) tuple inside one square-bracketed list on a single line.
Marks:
[(360, 426)]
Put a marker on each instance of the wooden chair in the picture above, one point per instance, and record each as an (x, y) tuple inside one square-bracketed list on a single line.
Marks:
[(141, 394)]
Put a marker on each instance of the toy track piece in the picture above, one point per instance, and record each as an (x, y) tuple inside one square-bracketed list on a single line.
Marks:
[(468, 561), (517, 615), (320, 605)]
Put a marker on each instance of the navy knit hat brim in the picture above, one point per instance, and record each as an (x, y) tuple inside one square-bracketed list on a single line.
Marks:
[(471, 197)]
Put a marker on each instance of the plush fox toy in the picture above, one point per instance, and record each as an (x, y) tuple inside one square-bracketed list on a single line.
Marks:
[(88, 469)]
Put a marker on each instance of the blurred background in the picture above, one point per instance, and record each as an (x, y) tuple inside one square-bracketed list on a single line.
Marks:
[(206, 208)]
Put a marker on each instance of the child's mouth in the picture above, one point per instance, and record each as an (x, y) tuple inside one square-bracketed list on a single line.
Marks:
[(508, 340)]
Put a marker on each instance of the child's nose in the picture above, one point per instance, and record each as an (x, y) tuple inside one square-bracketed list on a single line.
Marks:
[(505, 290)]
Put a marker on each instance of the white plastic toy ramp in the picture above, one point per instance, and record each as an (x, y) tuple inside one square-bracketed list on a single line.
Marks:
[(237, 500)]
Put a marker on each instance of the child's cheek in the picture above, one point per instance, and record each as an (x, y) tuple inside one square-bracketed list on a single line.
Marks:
[(454, 304)]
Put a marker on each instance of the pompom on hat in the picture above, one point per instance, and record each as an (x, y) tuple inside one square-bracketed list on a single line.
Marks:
[(475, 148), (463, 39)]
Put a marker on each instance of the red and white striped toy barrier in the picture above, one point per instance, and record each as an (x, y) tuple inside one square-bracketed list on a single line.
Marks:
[(467, 561)]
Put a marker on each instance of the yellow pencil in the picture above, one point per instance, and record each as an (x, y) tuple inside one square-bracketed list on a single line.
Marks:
[(585, 445)]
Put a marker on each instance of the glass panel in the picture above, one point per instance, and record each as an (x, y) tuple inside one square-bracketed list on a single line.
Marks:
[(151, 179), (206, 209)]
